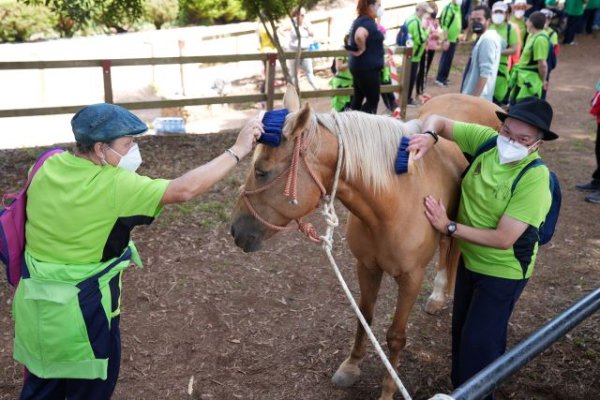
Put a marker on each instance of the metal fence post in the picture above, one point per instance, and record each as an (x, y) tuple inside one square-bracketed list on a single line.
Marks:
[(406, 66), (271, 67), (106, 76)]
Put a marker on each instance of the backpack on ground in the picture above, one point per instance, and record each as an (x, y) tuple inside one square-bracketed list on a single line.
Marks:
[(12, 224), (546, 229)]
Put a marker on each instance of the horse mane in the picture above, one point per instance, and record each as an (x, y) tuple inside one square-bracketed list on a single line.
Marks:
[(370, 144)]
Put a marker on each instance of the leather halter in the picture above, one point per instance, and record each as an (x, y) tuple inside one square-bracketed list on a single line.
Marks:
[(290, 191)]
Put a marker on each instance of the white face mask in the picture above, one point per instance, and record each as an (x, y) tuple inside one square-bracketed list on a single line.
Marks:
[(380, 12), (510, 151), (132, 160), (497, 18), (519, 14), (458, 2)]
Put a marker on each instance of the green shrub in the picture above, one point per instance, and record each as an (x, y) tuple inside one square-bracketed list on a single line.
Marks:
[(19, 22), (211, 11), (160, 12)]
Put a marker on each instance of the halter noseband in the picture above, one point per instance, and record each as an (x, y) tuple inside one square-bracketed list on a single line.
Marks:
[(290, 191)]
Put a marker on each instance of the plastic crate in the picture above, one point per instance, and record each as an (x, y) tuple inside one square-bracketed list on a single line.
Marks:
[(164, 125)]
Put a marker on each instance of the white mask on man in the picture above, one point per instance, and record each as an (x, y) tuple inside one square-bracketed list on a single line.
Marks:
[(519, 14), (130, 161), (497, 18), (380, 11), (510, 151), (458, 2)]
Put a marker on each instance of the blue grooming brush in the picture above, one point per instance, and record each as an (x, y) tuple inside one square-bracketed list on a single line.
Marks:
[(273, 123), (401, 164)]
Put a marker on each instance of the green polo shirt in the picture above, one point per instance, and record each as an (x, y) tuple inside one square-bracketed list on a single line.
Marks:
[(535, 49), (486, 197), (79, 212), (574, 7), (509, 37), (418, 35)]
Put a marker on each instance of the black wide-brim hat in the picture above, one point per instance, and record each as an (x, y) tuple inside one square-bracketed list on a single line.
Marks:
[(532, 111)]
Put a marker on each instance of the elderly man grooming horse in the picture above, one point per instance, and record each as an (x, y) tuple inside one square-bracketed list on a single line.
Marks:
[(497, 228)]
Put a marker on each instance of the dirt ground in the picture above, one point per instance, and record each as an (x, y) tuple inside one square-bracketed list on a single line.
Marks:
[(203, 320)]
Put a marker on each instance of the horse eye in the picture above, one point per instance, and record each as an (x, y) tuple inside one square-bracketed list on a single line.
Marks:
[(259, 173)]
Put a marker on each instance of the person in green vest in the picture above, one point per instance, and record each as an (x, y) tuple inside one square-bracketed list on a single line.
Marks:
[(341, 79), (451, 24), (509, 47), (81, 209), (517, 19), (528, 77), (574, 11), (418, 35), (589, 14)]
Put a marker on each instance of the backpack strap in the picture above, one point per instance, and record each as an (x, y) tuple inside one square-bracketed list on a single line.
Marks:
[(487, 145), (46, 155), (532, 164)]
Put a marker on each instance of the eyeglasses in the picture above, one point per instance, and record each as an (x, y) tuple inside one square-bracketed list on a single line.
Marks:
[(526, 139)]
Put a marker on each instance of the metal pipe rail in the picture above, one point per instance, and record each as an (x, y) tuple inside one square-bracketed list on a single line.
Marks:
[(497, 372)]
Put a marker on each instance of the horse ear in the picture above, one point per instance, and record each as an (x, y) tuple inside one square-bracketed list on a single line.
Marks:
[(290, 99), (300, 122)]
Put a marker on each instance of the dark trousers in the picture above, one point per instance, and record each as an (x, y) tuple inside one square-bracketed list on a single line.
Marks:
[(596, 175), (421, 76), (429, 55), (36, 388), (573, 26), (482, 307), (588, 19), (414, 70), (446, 63), (366, 85)]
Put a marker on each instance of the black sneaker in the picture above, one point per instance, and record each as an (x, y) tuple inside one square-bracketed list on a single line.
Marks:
[(594, 197), (590, 186)]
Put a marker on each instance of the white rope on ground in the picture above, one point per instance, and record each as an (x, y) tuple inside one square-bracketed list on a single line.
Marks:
[(327, 240)]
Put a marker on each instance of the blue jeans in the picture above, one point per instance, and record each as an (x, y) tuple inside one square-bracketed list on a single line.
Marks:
[(482, 307), (36, 388)]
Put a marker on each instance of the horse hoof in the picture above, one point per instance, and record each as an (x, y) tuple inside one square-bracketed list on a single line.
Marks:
[(346, 375), (433, 307)]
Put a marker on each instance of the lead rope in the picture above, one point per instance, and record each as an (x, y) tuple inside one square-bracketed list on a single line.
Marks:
[(327, 243)]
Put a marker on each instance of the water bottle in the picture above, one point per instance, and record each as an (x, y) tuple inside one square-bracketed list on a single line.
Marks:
[(409, 42)]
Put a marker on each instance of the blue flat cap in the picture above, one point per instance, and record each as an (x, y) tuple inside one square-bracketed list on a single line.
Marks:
[(105, 122)]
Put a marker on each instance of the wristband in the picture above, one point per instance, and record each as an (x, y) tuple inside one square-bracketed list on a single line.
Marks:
[(433, 135), (229, 151)]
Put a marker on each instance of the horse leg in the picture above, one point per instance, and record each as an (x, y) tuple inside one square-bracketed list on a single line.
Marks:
[(409, 285), (445, 274), (369, 281)]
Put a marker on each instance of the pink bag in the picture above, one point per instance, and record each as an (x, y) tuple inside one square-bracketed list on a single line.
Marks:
[(12, 225)]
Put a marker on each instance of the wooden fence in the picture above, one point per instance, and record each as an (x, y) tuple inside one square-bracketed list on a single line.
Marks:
[(269, 97)]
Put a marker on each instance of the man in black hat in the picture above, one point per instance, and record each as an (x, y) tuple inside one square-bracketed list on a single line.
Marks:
[(496, 226)]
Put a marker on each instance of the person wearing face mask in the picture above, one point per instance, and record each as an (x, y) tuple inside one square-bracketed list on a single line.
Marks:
[(518, 20), (509, 47), (451, 24), (496, 228), (530, 76), (81, 209), (365, 45), (479, 77)]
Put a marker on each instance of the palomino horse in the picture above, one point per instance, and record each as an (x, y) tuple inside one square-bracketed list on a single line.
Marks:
[(387, 230)]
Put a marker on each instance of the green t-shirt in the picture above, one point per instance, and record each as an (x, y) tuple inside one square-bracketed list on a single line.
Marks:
[(451, 21), (79, 212), (520, 24), (536, 48), (574, 7), (509, 38), (486, 197)]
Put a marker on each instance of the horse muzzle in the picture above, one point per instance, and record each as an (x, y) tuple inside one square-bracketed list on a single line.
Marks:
[(247, 233)]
